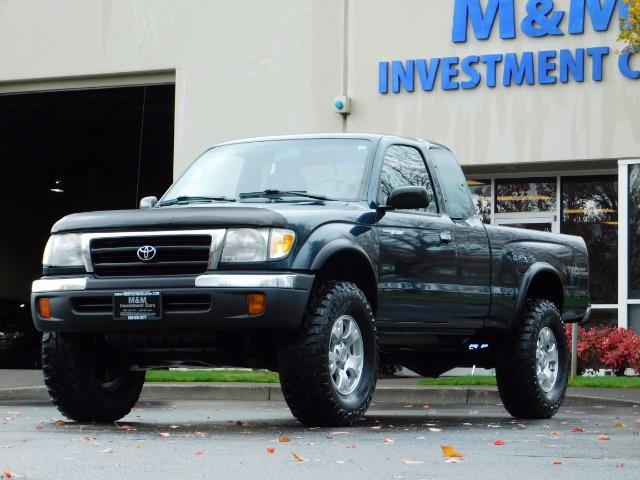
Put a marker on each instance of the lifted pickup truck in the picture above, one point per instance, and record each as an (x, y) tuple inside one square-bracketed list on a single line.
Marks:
[(317, 256)]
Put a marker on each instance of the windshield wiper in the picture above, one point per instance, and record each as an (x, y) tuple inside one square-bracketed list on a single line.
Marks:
[(194, 199), (282, 193)]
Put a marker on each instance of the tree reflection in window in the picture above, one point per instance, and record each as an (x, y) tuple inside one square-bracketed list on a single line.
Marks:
[(404, 166), (481, 195), (634, 232), (526, 195), (590, 210)]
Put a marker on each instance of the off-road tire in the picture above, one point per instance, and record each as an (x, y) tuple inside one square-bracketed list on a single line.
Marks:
[(68, 364), (304, 364), (521, 393)]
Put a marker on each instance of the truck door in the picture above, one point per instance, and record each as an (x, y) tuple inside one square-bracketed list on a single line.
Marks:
[(418, 267), (474, 256)]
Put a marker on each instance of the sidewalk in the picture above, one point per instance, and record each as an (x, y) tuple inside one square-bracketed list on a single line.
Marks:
[(29, 385)]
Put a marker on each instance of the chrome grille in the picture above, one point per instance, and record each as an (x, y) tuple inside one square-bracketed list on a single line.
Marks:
[(177, 254)]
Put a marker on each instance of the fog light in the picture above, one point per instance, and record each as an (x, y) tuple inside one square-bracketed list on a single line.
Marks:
[(44, 308), (256, 303)]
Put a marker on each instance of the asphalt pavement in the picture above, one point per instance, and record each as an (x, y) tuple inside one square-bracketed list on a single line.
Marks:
[(232, 440)]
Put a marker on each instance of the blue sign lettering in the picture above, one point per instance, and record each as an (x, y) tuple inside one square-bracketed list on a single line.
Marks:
[(624, 64), (465, 11), (546, 67)]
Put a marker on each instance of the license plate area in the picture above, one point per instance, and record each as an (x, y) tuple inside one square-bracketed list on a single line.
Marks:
[(137, 305)]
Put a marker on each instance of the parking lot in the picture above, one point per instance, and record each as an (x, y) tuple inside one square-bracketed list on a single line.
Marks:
[(223, 439)]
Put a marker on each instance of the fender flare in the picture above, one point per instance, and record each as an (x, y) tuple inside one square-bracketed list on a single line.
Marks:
[(340, 245), (527, 279)]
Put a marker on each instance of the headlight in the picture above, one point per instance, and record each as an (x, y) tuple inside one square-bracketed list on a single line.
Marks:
[(63, 250), (246, 245)]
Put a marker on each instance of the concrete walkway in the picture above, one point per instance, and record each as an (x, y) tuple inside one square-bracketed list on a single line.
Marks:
[(29, 384)]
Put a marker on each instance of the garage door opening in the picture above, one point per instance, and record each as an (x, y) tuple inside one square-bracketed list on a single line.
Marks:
[(70, 151)]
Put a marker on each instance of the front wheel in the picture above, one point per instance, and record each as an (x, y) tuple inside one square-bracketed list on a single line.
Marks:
[(328, 370), (87, 381), (532, 368)]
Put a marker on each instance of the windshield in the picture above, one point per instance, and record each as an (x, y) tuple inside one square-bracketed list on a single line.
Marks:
[(330, 168)]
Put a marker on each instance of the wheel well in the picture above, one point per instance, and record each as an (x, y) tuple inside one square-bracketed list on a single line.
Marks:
[(351, 267), (546, 285)]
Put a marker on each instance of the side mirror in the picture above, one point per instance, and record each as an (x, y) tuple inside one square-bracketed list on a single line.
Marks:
[(408, 198), (148, 202)]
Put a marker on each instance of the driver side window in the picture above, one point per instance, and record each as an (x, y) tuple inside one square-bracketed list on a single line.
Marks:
[(404, 166)]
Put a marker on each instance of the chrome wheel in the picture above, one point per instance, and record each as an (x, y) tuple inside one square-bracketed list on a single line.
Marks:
[(346, 354), (547, 359)]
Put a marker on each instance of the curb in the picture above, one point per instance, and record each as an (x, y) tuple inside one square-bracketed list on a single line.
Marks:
[(272, 392)]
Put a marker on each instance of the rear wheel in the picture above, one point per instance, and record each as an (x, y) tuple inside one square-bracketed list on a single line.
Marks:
[(328, 370), (532, 369), (86, 381)]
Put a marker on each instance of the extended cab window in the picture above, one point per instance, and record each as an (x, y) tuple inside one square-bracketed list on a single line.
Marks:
[(404, 166), (457, 197)]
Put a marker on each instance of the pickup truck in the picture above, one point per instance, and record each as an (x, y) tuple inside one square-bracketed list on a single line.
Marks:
[(320, 257)]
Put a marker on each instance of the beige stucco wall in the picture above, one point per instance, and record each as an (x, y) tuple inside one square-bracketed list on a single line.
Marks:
[(251, 67)]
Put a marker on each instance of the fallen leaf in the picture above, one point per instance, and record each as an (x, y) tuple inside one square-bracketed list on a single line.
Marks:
[(40, 426), (138, 445), (557, 462), (450, 452), (353, 445), (410, 461), (577, 430), (554, 433), (164, 434), (388, 441), (618, 424), (297, 457), (432, 429), (126, 428), (200, 435), (59, 422), (271, 450), (498, 442), (8, 474), (283, 439), (603, 437), (620, 465), (199, 454)]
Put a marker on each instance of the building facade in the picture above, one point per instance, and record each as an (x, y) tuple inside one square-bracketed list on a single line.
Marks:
[(537, 99)]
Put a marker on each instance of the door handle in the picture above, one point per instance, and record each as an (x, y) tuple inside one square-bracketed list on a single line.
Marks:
[(445, 237)]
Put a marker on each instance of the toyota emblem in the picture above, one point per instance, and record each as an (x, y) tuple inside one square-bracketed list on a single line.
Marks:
[(147, 253)]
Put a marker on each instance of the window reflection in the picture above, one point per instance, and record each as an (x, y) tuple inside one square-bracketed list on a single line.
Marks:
[(481, 195), (526, 195), (404, 166), (606, 317), (634, 231), (590, 210)]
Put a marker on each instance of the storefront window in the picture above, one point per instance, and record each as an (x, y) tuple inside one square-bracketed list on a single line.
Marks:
[(590, 210), (481, 194), (634, 232), (526, 195)]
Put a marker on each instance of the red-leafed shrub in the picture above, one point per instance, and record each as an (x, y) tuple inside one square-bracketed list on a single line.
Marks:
[(607, 347)]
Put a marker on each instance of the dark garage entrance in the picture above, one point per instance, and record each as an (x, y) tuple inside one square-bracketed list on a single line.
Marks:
[(69, 151)]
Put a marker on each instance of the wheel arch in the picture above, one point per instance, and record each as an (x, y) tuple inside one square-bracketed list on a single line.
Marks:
[(346, 261), (541, 281)]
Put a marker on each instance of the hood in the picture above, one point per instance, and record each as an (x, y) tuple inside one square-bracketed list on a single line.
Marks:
[(170, 218), (307, 215)]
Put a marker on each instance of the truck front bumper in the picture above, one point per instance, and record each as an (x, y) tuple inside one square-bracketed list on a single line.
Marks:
[(209, 302)]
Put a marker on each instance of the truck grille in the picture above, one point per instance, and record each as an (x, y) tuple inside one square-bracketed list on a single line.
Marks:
[(172, 255)]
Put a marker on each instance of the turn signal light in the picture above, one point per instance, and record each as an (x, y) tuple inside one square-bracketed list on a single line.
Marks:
[(256, 303), (44, 308)]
